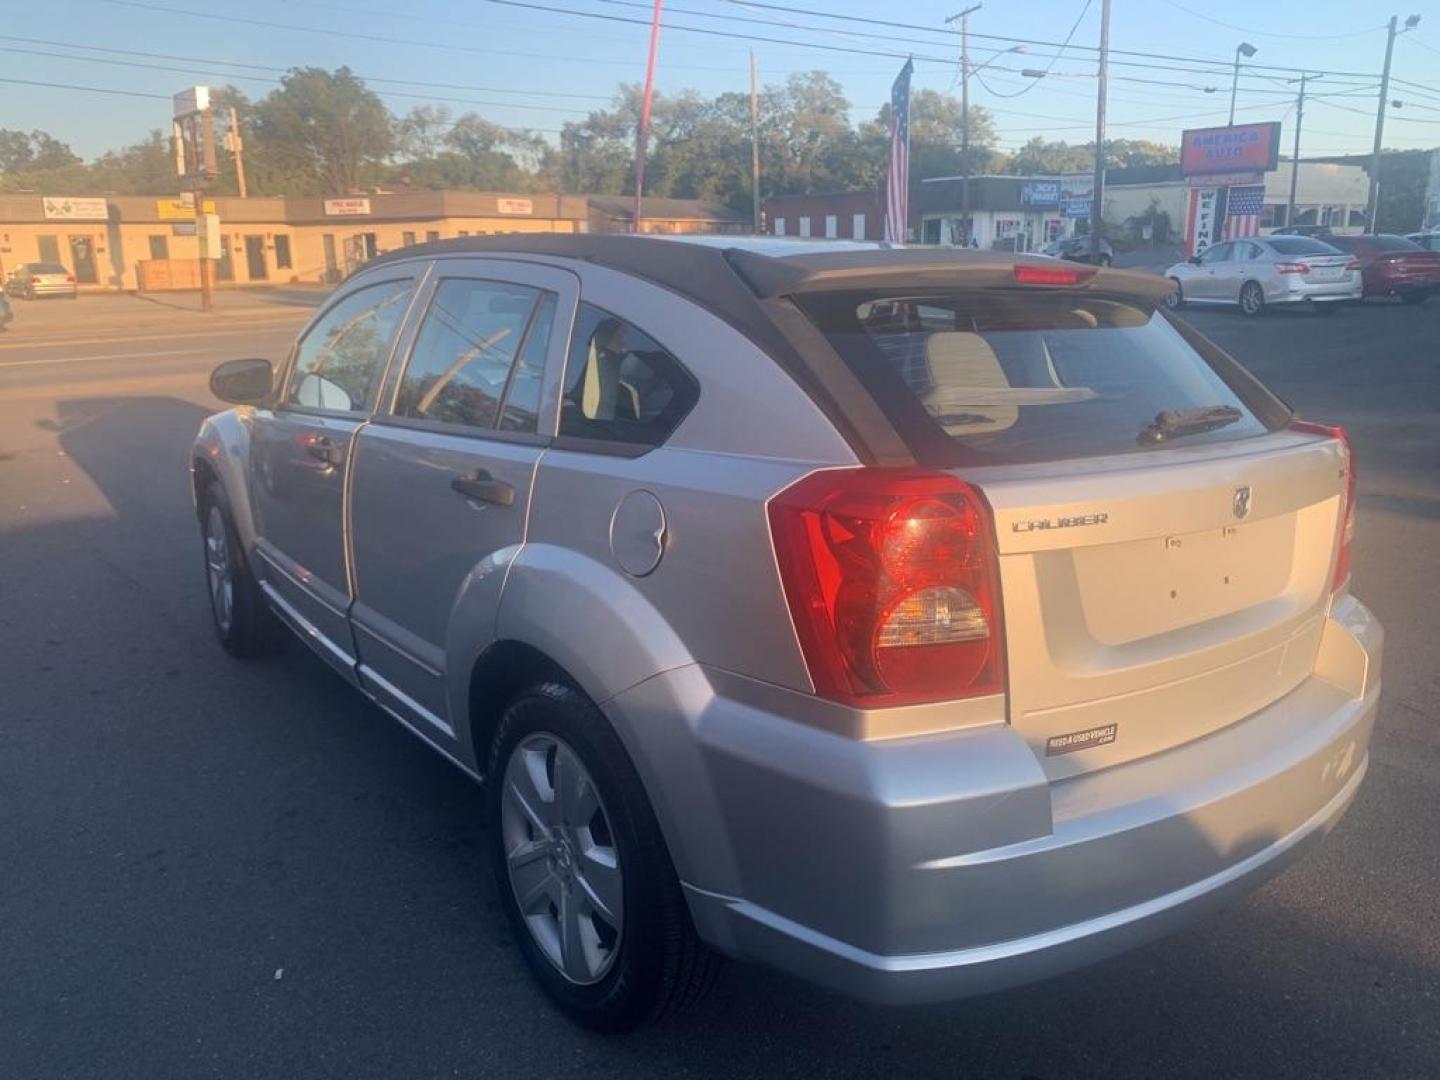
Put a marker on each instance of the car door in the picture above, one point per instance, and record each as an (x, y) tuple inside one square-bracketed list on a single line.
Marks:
[(301, 458), (1220, 268), (1243, 265), (443, 478)]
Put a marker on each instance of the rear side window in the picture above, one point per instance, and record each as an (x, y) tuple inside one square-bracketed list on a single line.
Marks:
[(621, 385), (1014, 375), (465, 351), (340, 360)]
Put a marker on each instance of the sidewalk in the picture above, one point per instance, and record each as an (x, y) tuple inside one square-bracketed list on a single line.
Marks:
[(172, 311)]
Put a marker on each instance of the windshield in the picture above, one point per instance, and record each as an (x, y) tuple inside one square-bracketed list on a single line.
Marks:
[(1001, 376)]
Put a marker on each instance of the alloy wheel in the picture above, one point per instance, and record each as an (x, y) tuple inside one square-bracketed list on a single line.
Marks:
[(1251, 299), (218, 569), (561, 858)]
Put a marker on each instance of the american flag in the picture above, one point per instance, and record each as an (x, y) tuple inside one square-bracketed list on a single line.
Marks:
[(897, 180), (1242, 211)]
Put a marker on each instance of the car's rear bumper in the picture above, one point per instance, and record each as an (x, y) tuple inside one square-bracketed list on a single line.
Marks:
[(53, 290), (1318, 292), (936, 866)]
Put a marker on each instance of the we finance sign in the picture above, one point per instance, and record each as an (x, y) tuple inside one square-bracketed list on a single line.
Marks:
[(1241, 148)]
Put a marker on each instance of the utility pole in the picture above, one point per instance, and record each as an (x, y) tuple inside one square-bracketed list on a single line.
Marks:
[(1374, 200), (1295, 157), (964, 20), (755, 139), (643, 136), (1097, 194), (206, 136), (237, 147)]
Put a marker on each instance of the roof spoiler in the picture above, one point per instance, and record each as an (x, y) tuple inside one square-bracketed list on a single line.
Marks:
[(916, 268)]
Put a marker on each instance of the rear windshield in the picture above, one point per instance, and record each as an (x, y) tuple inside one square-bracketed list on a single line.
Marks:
[(1007, 375), (1300, 245), (1387, 242), (47, 268)]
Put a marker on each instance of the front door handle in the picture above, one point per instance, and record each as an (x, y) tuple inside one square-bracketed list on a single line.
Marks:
[(481, 485), (324, 450)]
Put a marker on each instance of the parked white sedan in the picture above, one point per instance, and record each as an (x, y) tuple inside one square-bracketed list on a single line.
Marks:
[(1259, 271)]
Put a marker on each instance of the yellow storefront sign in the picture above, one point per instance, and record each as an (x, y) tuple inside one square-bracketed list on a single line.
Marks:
[(179, 209)]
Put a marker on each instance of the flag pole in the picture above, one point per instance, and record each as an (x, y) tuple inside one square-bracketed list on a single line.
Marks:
[(643, 136)]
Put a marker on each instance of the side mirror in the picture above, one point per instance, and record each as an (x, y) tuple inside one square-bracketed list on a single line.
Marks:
[(1194, 260), (242, 382)]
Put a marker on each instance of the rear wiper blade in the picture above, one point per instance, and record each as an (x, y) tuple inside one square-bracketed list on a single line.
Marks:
[(1175, 423)]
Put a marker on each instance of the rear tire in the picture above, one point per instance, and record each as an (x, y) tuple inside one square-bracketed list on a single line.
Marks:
[(1252, 298), (242, 619), (644, 961), (1414, 297)]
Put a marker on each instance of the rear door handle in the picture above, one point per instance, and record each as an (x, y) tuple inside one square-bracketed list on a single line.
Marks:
[(481, 485)]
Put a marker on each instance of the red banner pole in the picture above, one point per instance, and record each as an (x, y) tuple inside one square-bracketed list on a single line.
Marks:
[(643, 137)]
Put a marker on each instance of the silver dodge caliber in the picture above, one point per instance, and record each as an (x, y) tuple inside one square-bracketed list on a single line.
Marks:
[(920, 622)]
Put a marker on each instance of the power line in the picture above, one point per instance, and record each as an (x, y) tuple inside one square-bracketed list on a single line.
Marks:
[(1272, 34), (1035, 80)]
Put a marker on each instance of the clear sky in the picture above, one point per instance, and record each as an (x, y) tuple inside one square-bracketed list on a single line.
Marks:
[(537, 69)]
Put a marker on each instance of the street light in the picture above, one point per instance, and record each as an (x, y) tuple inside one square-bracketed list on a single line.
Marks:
[(1246, 50)]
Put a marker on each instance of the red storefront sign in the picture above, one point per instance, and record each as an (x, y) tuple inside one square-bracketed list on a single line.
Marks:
[(1242, 148)]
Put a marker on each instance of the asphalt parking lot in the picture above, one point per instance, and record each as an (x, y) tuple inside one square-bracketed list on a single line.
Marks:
[(216, 869)]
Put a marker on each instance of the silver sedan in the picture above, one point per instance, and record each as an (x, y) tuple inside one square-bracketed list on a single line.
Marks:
[(1260, 271)]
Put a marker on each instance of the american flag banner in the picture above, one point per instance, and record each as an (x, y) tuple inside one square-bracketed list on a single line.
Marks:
[(897, 179), (1242, 211)]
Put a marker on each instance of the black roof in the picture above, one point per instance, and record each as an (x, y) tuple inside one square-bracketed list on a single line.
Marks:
[(745, 281)]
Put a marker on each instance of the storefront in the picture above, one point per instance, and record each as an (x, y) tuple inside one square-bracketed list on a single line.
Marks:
[(1008, 213)]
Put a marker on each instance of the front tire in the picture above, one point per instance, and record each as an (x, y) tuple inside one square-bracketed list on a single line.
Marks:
[(1252, 298), (243, 621), (582, 868)]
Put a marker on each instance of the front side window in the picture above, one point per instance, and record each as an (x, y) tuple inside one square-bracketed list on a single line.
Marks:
[(620, 384), (461, 362), (340, 361), (1217, 254)]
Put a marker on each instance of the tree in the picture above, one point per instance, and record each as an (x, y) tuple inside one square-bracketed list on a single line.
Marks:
[(325, 130), (21, 152), (1132, 153), (937, 123), (421, 131), (1038, 157)]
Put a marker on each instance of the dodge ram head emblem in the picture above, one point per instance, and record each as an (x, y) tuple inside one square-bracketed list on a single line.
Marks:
[(1240, 503)]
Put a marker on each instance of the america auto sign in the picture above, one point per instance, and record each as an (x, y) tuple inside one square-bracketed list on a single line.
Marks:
[(1248, 148)]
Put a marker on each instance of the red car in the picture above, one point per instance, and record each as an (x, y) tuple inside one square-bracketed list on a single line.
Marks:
[(1393, 265)]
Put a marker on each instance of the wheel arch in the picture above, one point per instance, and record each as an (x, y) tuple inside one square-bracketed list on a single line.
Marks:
[(221, 454)]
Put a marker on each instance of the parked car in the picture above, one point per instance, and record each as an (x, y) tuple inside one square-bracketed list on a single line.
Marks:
[(1260, 271), (7, 314), (37, 279), (1077, 249), (1393, 265), (1430, 241), (917, 621)]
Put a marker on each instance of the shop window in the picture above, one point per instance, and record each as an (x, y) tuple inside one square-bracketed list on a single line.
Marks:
[(282, 252), (159, 247)]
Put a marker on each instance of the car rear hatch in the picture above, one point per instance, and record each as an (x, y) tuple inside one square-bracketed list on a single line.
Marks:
[(1165, 540)]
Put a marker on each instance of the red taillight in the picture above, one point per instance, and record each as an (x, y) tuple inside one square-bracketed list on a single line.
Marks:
[(1292, 268), (891, 579), (1347, 511), (1353, 264), (1053, 275), (70, 278)]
